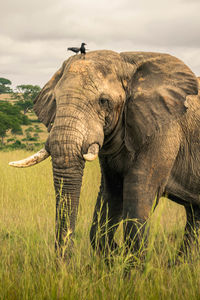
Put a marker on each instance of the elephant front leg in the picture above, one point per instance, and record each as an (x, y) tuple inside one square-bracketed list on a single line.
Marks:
[(139, 202), (107, 215), (144, 183)]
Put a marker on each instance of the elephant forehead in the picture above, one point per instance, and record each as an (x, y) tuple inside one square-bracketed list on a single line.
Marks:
[(88, 67), (80, 67)]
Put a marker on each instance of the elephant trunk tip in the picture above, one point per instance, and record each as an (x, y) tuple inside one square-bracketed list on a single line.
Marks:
[(92, 152)]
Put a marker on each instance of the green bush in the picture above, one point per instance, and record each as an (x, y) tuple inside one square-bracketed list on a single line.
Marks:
[(14, 146), (24, 146), (10, 140), (32, 139), (28, 136), (17, 144), (29, 129), (37, 129), (35, 121), (11, 119)]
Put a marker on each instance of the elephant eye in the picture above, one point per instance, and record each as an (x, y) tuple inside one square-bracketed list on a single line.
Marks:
[(104, 102)]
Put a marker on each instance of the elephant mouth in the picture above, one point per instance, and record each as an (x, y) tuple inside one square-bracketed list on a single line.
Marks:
[(92, 152)]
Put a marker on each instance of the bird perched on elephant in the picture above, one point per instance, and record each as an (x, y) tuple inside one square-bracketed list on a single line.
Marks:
[(77, 50), (140, 113)]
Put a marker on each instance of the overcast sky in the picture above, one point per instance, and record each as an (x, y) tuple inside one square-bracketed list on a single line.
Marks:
[(35, 34)]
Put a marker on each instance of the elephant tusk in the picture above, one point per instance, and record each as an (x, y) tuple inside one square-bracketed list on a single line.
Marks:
[(92, 153), (31, 160)]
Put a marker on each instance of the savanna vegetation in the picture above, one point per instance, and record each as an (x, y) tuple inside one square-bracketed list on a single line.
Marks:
[(29, 268), (5, 85), (19, 127)]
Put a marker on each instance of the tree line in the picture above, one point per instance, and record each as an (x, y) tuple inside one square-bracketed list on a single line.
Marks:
[(13, 113)]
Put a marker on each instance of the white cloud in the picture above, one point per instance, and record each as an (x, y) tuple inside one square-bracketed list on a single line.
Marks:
[(35, 34)]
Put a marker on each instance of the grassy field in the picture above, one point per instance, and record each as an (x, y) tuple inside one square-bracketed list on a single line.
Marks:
[(28, 268)]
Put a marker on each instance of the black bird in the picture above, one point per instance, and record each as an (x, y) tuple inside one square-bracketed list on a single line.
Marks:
[(82, 49), (77, 50)]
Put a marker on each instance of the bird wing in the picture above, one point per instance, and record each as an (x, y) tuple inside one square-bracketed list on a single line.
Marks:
[(74, 49)]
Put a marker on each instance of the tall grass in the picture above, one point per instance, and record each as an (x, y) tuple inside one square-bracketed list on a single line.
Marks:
[(28, 266)]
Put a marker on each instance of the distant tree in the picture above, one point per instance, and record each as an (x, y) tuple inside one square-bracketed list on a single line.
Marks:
[(5, 85), (25, 94), (11, 118)]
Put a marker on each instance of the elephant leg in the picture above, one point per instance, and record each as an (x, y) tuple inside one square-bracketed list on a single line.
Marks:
[(144, 184), (192, 227), (138, 203), (107, 215)]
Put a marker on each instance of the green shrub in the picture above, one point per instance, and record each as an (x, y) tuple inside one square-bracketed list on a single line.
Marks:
[(10, 140), (37, 129), (28, 136), (29, 129), (17, 144), (31, 138), (35, 121)]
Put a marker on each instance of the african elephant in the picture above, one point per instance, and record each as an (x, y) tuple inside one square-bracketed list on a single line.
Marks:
[(140, 113)]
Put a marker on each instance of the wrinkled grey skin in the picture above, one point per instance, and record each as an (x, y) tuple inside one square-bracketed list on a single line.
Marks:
[(136, 107)]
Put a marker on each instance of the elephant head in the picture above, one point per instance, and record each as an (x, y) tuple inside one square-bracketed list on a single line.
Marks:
[(97, 105)]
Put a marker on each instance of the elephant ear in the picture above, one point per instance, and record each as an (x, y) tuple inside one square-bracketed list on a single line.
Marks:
[(45, 102), (159, 85)]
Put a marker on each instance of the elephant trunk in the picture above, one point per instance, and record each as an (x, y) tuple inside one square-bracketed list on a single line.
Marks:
[(67, 183), (68, 142)]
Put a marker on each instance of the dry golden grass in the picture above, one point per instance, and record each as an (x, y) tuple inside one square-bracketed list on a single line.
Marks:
[(6, 97)]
